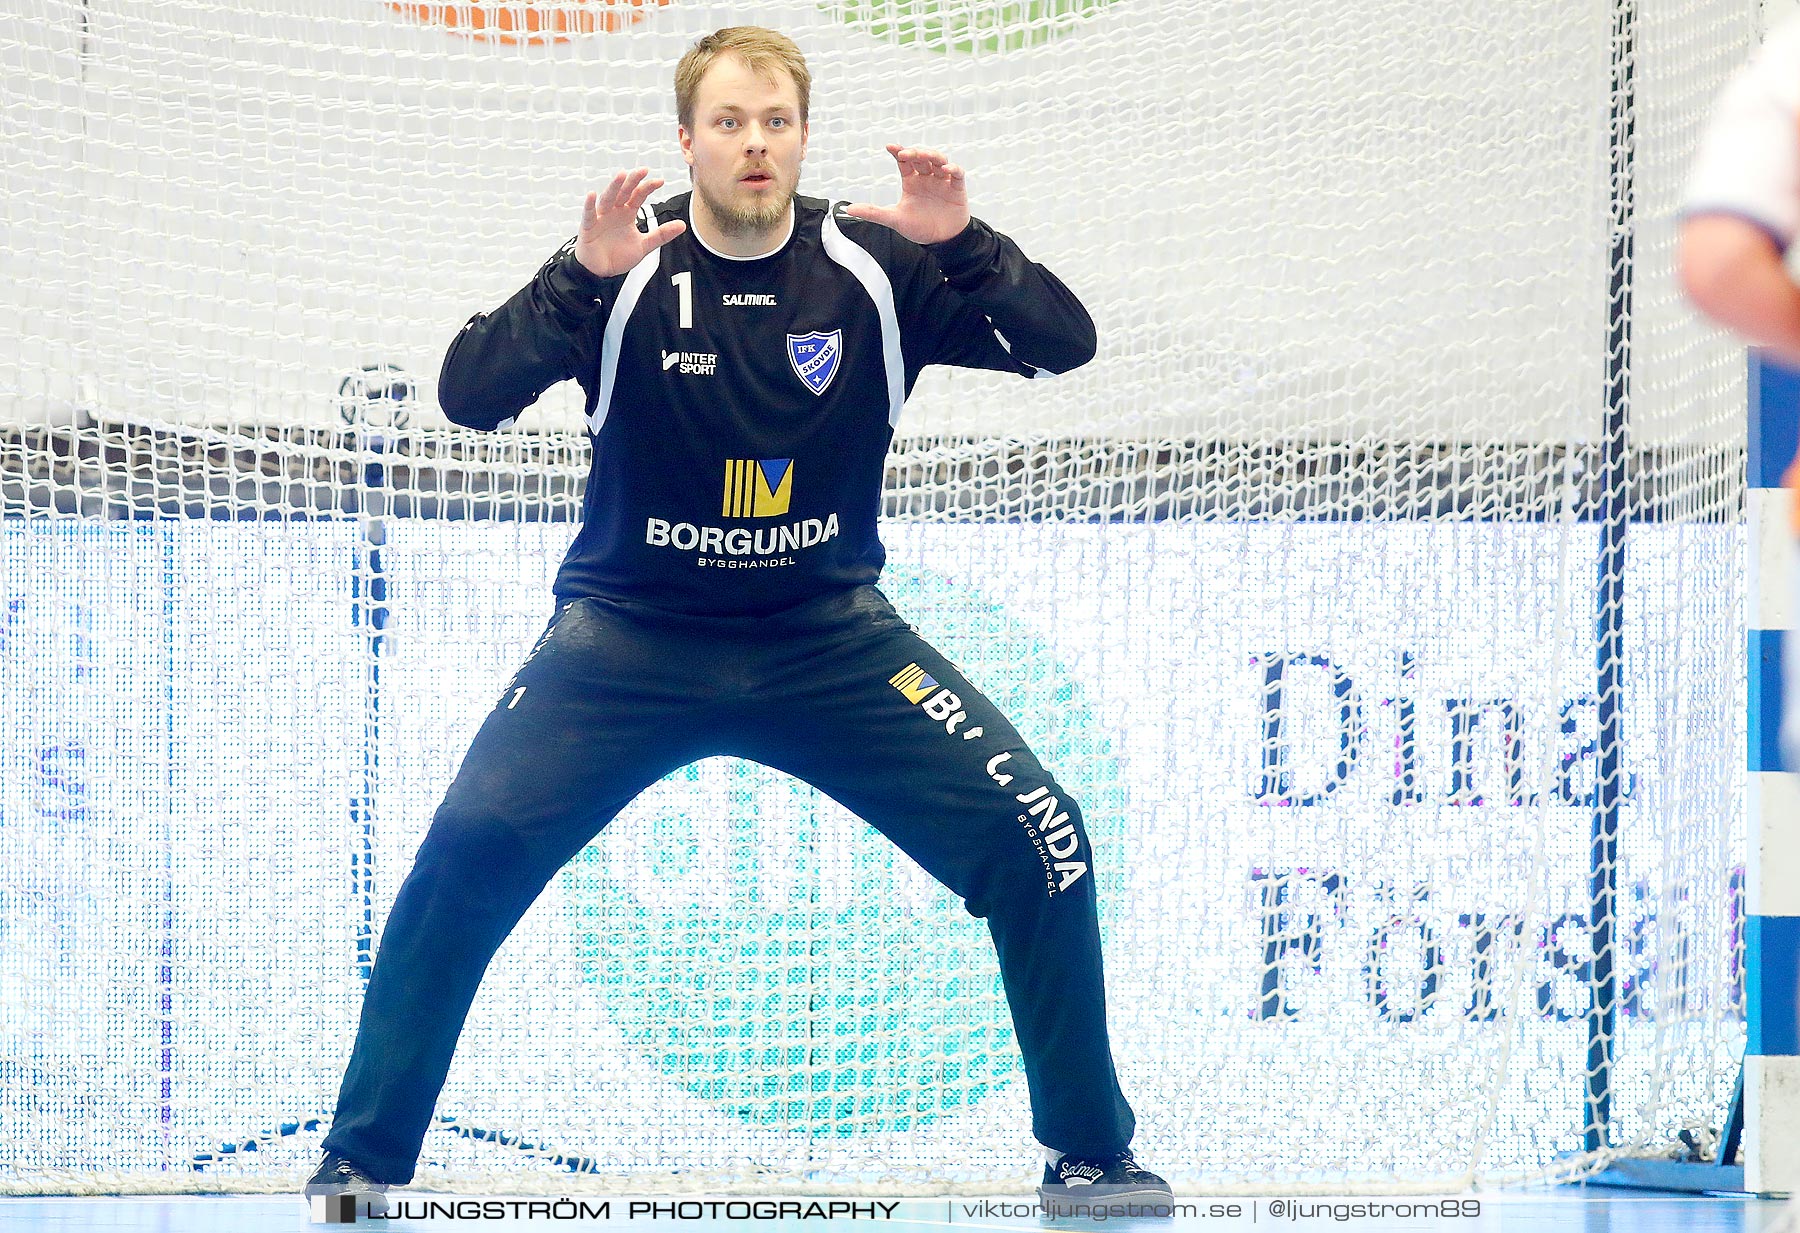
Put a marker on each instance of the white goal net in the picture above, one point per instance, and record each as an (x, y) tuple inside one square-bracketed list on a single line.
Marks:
[(1379, 590)]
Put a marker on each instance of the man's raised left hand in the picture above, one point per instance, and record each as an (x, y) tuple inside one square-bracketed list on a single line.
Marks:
[(934, 201)]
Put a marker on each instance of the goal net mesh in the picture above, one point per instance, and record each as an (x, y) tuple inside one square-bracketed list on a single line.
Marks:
[(1379, 591)]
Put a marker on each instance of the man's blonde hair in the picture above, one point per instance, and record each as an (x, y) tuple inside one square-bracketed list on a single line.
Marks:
[(762, 51)]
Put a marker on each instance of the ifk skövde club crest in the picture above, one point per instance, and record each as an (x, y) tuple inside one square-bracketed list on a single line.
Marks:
[(815, 357)]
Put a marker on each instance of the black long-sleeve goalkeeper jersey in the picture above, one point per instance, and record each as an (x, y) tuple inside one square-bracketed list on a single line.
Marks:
[(741, 409)]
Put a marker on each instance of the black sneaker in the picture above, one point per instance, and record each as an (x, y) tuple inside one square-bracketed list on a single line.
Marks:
[(337, 1176), (1105, 1179)]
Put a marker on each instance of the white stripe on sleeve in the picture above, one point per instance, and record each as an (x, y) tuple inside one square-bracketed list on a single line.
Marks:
[(857, 259), (615, 323)]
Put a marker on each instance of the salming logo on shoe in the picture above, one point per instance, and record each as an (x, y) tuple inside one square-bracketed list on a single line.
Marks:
[(1114, 1178)]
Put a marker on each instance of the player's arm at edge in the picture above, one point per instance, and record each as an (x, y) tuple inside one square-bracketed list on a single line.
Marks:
[(1742, 207), (1732, 270), (984, 304), (502, 362)]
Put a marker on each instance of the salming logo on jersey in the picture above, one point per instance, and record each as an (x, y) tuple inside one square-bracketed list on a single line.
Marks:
[(758, 487), (742, 300)]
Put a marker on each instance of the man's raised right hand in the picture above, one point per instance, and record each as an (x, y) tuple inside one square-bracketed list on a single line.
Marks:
[(610, 242)]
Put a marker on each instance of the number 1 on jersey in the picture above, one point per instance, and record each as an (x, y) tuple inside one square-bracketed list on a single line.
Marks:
[(684, 283)]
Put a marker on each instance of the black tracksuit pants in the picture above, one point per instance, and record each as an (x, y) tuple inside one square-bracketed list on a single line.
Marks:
[(839, 692)]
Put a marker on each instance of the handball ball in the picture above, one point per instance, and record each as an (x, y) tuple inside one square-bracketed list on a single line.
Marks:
[(376, 396)]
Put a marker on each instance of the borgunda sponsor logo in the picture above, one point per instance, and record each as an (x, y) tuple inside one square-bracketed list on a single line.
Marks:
[(1052, 826), (741, 541), (1044, 819)]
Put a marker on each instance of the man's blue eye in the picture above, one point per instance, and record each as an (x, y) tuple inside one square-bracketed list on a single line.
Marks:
[(727, 122)]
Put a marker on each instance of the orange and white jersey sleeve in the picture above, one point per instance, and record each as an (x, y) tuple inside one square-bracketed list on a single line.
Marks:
[(1748, 164)]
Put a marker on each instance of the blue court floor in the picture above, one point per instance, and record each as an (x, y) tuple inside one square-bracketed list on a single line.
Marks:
[(1568, 1209)]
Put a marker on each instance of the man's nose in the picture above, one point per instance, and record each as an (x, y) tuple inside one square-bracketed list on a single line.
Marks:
[(755, 140)]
